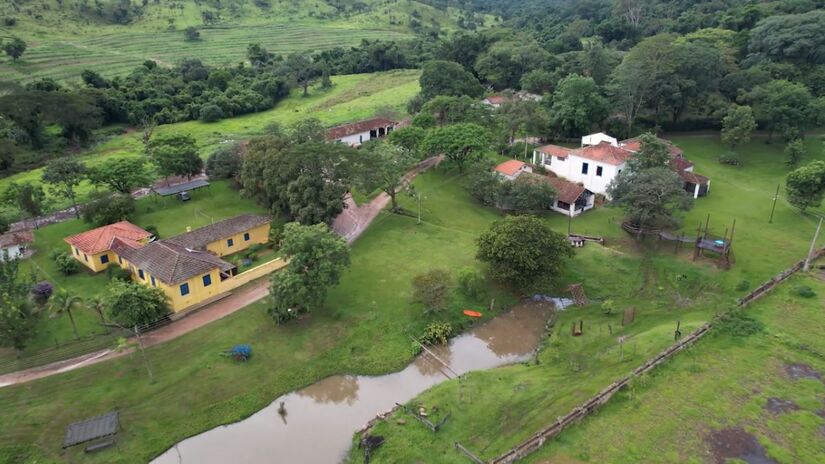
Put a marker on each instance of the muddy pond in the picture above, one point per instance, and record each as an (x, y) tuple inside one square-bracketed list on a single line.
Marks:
[(320, 419)]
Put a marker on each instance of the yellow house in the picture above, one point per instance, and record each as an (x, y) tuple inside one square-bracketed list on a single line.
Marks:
[(187, 267), (93, 247)]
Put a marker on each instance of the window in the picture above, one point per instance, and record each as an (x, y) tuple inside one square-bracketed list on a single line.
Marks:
[(140, 274), (153, 281), (119, 260), (620, 171), (246, 237), (207, 280), (184, 289), (599, 171), (230, 243), (77, 252), (85, 257), (104, 259), (585, 167)]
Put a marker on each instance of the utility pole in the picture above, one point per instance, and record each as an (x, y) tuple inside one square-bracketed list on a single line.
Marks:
[(773, 208), (807, 266)]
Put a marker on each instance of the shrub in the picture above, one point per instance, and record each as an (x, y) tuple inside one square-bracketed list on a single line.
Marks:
[(470, 282), (431, 289), (109, 208), (729, 159), (210, 112), (437, 333), (65, 263), (119, 274), (739, 324), (132, 304), (41, 292), (225, 162), (152, 230), (804, 291)]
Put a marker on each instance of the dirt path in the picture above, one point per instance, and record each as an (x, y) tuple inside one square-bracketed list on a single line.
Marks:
[(350, 224)]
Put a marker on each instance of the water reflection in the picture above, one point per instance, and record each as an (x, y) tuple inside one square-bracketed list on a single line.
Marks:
[(323, 416)]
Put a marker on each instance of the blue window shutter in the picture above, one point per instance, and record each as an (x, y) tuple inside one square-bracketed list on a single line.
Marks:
[(184, 289), (207, 280), (104, 259), (230, 242), (246, 237)]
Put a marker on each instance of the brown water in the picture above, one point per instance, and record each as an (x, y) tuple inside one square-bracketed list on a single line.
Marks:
[(321, 418)]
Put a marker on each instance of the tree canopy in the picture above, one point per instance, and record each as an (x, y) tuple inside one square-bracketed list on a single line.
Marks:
[(459, 143)]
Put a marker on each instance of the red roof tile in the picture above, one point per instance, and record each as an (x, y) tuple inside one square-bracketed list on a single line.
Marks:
[(680, 164), (510, 167), (555, 150), (568, 191), (100, 239), (496, 99), (344, 130), (605, 153), (16, 238), (635, 145)]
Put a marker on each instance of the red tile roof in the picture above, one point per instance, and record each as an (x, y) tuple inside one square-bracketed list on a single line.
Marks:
[(635, 144), (344, 130), (496, 99), (16, 238), (605, 153), (680, 164), (555, 150), (693, 178), (100, 239), (568, 191), (510, 167)]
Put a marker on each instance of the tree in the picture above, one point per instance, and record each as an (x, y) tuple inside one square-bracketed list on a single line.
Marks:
[(98, 305), (781, 106), (108, 208), (460, 143), (15, 48), (190, 34), (653, 153), (539, 81), (506, 61), (806, 185), (529, 194), (432, 289), (522, 118), (225, 162), (62, 302), (175, 155), (523, 251), (384, 167), (306, 130), (302, 70), (17, 317), (577, 106), (317, 258), (451, 110), (408, 137), (210, 112), (794, 152), (796, 37), (449, 79), (122, 175), (737, 126), (27, 197), (94, 79), (64, 174), (651, 198), (132, 304)]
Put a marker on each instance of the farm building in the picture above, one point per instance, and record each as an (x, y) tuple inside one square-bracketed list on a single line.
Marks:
[(572, 200), (356, 133), (14, 244), (601, 158)]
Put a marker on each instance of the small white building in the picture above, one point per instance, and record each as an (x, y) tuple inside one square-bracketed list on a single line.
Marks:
[(15, 244), (356, 133), (511, 169), (572, 199), (601, 158)]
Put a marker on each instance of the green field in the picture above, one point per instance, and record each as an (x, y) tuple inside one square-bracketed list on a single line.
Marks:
[(63, 42), (352, 97), (511, 403)]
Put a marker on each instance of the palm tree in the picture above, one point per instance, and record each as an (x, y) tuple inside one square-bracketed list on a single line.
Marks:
[(98, 305), (64, 302)]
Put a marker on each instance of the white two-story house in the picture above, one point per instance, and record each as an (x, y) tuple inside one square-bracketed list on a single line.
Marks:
[(601, 158)]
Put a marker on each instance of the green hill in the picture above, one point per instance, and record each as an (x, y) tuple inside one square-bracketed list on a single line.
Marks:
[(65, 37)]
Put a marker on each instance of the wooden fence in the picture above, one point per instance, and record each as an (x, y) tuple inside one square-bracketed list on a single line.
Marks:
[(580, 412)]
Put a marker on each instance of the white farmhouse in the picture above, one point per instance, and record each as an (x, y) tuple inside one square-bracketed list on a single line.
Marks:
[(14, 244), (357, 133), (601, 158)]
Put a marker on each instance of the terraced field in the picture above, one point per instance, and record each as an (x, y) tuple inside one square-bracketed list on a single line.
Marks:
[(117, 52)]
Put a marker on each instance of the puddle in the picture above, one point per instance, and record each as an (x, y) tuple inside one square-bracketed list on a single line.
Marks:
[(736, 443), (780, 406), (802, 371), (321, 418)]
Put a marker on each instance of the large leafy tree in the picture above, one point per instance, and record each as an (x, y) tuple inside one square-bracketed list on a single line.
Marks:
[(782, 106), (175, 155), (449, 79), (806, 185), (64, 174), (737, 126), (524, 251), (460, 143), (132, 304), (651, 198), (577, 106), (384, 166), (408, 137), (317, 259), (505, 62), (653, 153), (122, 175), (451, 110), (27, 197), (301, 69), (15, 48), (17, 317), (796, 37)]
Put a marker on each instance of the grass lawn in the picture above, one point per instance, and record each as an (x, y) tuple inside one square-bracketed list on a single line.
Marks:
[(353, 97), (509, 404), (364, 328), (170, 216), (725, 382)]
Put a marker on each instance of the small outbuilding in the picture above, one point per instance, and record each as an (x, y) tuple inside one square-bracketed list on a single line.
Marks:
[(100, 429), (15, 244), (356, 133)]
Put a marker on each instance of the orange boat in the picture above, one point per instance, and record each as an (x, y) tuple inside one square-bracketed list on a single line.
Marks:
[(471, 313)]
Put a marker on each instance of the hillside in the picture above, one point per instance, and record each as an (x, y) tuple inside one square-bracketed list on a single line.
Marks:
[(65, 37)]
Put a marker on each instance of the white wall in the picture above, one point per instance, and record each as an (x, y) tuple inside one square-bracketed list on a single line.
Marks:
[(355, 140), (571, 169), (13, 251)]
